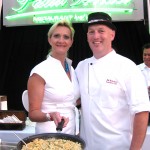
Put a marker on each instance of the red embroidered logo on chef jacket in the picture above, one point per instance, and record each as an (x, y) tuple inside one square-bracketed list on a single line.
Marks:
[(111, 81)]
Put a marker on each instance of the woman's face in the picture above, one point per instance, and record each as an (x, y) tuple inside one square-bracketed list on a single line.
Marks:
[(60, 40)]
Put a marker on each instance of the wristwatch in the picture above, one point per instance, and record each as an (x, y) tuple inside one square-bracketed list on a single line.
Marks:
[(48, 117)]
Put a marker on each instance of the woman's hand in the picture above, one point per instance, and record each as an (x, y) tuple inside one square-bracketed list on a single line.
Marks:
[(55, 116)]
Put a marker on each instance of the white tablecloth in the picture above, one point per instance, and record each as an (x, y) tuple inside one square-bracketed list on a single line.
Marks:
[(9, 136)]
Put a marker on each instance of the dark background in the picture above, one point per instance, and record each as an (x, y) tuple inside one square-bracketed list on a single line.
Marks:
[(21, 48)]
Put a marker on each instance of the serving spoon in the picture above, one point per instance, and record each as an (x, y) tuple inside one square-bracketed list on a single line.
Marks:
[(21, 140)]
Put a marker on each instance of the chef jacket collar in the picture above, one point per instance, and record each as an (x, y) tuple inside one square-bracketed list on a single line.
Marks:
[(108, 56)]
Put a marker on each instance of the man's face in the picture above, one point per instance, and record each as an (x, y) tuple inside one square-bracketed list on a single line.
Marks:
[(100, 38), (146, 57)]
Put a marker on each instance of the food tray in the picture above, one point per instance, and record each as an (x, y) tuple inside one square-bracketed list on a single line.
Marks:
[(21, 115)]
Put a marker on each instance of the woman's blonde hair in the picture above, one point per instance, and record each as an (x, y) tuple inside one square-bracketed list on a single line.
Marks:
[(63, 23)]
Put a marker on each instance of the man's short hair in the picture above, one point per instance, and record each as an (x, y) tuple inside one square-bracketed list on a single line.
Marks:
[(146, 46)]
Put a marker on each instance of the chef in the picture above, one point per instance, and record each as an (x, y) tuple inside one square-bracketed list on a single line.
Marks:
[(114, 98)]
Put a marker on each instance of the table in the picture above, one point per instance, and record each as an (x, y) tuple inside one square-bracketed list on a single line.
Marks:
[(8, 135)]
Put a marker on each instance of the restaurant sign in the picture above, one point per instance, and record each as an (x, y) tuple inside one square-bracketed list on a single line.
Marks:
[(35, 12)]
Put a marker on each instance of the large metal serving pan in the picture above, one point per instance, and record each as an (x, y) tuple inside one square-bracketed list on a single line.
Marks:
[(73, 138)]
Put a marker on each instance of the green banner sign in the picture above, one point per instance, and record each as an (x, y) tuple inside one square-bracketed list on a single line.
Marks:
[(24, 12)]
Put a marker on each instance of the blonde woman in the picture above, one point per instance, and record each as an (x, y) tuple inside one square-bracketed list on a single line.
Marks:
[(52, 87)]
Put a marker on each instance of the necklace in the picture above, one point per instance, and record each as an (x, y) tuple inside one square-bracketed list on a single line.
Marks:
[(66, 67)]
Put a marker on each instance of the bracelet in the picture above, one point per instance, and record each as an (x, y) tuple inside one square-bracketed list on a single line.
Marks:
[(48, 117)]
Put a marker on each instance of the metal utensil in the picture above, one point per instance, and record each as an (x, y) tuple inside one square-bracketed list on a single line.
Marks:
[(21, 139), (60, 126)]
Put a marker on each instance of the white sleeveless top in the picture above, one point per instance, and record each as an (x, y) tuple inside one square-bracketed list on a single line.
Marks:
[(60, 95)]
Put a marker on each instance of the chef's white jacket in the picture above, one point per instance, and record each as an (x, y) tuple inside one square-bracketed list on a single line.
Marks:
[(112, 92), (146, 72)]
